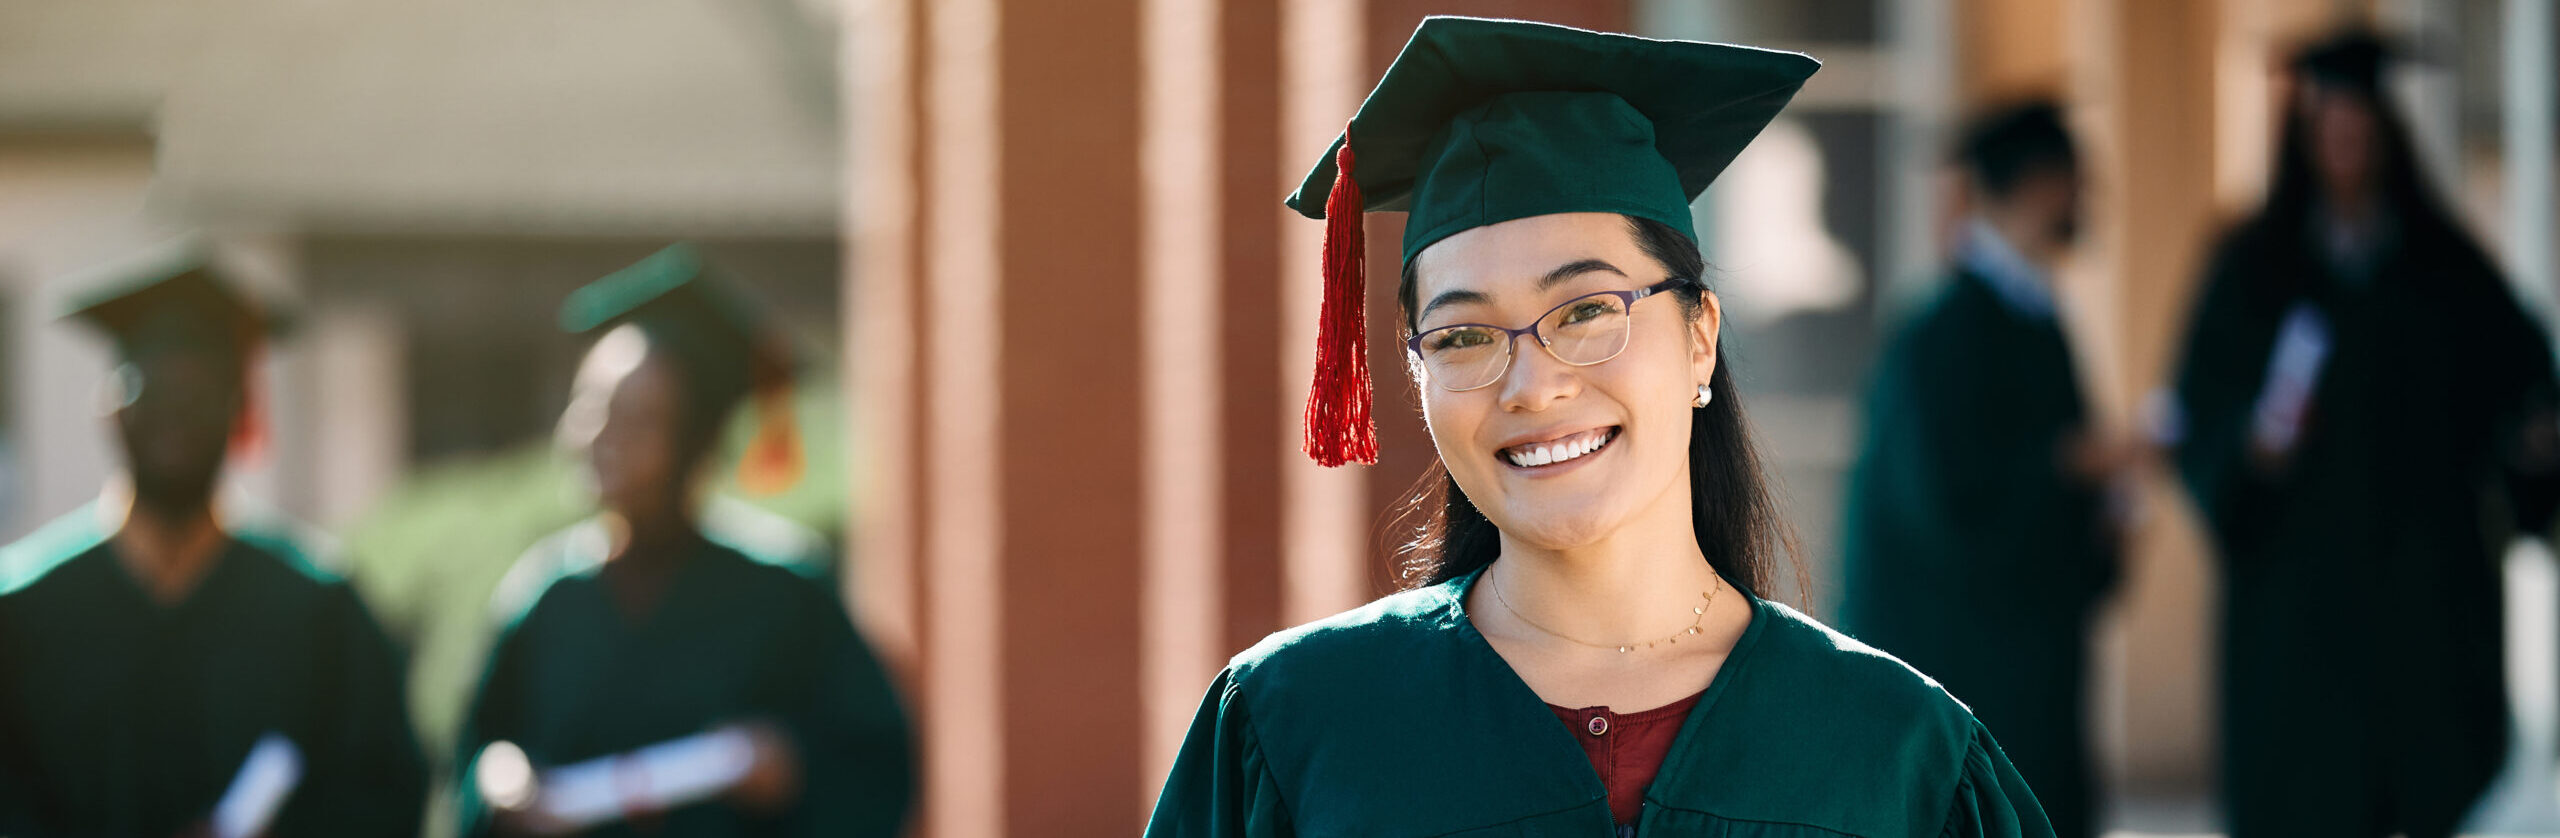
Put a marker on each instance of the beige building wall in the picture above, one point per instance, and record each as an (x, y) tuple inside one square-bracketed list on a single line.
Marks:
[(68, 200)]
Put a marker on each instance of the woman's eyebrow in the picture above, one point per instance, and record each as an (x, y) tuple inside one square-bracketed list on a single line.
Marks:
[(1561, 274), (1450, 298), (1574, 269)]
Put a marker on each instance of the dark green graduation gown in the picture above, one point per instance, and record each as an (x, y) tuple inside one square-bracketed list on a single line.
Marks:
[(1967, 552), (2362, 689), (120, 716), (733, 639), (1397, 719)]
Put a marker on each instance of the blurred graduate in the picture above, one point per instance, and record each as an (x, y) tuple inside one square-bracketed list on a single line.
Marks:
[(1977, 541), (165, 669), (2362, 412), (663, 671), (1587, 650)]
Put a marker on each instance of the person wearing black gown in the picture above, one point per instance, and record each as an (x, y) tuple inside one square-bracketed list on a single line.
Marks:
[(1978, 541), (2361, 405), (150, 643)]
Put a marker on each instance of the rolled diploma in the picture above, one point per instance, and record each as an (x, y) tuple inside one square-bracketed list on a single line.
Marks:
[(266, 778), (2293, 372), (657, 777)]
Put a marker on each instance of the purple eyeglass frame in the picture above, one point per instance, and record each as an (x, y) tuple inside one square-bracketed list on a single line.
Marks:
[(1413, 344)]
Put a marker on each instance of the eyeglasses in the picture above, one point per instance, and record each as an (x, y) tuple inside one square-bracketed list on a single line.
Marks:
[(1585, 330)]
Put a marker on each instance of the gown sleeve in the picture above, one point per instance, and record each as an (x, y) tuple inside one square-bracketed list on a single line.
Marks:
[(1973, 475), (1991, 800), (1978, 478), (492, 716), (1221, 787), (2507, 367), (856, 751), (365, 768)]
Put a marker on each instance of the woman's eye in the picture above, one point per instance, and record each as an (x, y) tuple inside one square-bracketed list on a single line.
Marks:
[(1456, 339), (1585, 311)]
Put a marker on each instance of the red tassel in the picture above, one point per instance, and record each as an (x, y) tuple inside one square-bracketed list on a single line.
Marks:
[(1339, 429), (249, 434), (773, 462)]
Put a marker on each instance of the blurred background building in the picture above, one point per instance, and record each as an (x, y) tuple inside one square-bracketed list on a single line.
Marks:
[(1039, 246)]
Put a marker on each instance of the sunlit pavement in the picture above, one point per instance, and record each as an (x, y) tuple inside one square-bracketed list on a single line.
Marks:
[(2525, 800), (2161, 817)]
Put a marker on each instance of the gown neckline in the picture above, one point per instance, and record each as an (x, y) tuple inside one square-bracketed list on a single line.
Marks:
[(1558, 742)]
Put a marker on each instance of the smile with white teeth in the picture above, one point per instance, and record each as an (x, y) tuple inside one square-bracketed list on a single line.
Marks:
[(1565, 449)]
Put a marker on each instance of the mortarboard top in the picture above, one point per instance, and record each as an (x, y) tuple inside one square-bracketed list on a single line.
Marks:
[(1482, 121), (2353, 58), (682, 303), (171, 296)]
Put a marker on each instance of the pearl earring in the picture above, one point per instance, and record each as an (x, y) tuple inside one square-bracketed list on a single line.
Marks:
[(1705, 395)]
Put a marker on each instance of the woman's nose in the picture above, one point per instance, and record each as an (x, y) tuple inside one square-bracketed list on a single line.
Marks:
[(1535, 378)]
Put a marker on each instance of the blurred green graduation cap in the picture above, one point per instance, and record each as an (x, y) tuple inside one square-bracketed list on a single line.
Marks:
[(172, 296), (2354, 58), (1482, 121), (723, 341)]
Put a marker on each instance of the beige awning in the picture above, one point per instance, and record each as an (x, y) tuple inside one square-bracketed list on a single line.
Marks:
[(452, 116)]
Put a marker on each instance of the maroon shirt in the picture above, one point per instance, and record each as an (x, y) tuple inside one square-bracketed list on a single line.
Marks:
[(1626, 748)]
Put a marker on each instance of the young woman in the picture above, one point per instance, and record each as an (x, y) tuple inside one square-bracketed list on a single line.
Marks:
[(659, 676), (2360, 394), (1589, 655)]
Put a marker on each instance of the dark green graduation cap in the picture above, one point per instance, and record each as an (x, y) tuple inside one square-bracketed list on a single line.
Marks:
[(1483, 121), (722, 341), (172, 297)]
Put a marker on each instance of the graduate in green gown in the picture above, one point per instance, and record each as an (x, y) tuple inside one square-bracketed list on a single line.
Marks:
[(638, 629), (1977, 541), (2358, 384), (147, 647), (1585, 651)]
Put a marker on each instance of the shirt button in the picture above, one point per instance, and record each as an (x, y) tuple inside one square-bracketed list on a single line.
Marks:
[(1599, 725)]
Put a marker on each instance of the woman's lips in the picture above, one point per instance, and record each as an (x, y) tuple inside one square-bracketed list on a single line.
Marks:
[(1560, 450)]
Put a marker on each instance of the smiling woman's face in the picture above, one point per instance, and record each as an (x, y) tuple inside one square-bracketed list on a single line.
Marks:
[(1635, 408)]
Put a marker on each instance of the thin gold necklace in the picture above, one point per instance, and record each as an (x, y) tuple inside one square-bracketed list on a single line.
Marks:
[(1695, 625)]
